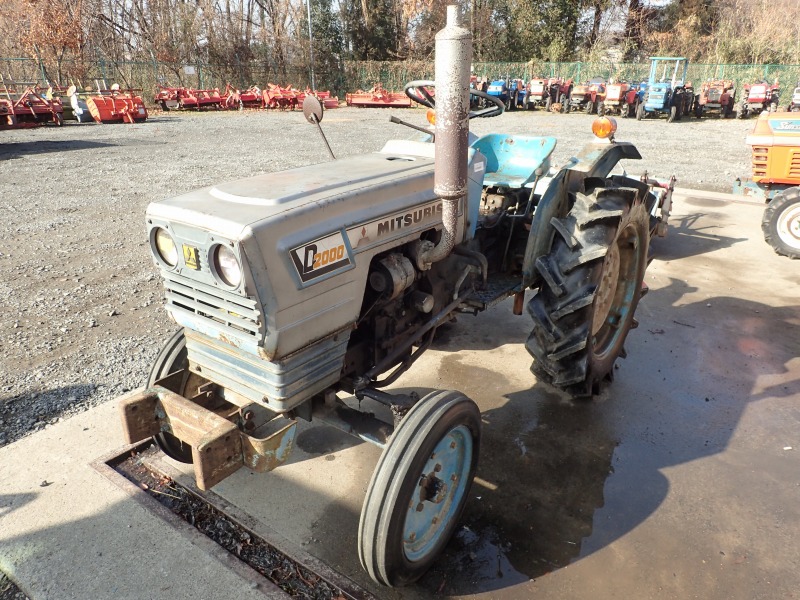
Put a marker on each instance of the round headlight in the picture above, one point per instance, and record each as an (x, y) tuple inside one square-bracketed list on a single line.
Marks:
[(226, 266), (165, 247)]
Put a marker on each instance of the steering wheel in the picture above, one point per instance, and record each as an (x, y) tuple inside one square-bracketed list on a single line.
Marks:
[(419, 93)]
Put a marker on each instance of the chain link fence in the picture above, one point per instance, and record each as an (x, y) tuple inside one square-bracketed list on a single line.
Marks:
[(146, 76), (352, 76)]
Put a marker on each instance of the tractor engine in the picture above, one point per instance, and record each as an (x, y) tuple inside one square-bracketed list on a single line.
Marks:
[(494, 206), (399, 299)]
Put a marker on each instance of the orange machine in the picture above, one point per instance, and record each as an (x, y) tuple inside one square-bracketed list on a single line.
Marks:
[(116, 106), (775, 141)]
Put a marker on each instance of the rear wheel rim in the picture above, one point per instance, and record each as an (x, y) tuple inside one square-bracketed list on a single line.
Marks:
[(617, 292)]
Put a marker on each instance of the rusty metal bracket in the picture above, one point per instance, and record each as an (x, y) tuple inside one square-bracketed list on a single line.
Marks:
[(262, 454), (219, 448)]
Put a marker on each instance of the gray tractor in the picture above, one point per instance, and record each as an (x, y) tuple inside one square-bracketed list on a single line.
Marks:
[(297, 291)]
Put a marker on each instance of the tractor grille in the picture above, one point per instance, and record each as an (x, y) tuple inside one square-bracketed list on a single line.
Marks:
[(760, 156), (794, 166), (220, 309)]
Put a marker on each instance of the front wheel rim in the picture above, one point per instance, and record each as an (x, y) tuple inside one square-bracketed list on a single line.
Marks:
[(788, 226), (436, 498)]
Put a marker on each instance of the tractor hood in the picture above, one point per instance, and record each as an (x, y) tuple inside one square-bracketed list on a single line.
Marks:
[(615, 91), (230, 208), (305, 239), (580, 89)]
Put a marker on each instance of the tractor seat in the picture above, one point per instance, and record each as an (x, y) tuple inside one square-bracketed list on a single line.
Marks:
[(512, 160)]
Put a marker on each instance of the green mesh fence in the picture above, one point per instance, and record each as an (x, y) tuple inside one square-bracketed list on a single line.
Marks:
[(146, 76), (354, 75), (393, 75)]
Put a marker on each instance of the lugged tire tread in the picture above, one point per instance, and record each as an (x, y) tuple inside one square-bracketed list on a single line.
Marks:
[(582, 298), (565, 230), (561, 309)]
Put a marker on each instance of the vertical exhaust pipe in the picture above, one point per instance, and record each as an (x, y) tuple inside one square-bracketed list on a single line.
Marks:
[(452, 70)]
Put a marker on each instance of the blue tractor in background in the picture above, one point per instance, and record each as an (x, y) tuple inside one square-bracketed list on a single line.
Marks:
[(511, 92), (667, 91), (499, 89), (518, 91)]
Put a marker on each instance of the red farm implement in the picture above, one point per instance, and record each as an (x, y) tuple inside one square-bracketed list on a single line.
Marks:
[(325, 98), (276, 96), (249, 98), (167, 97), (378, 97), (199, 99), (22, 105), (116, 106), (190, 98)]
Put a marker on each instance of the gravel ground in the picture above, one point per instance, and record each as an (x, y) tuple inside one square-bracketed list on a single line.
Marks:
[(80, 301), (8, 590)]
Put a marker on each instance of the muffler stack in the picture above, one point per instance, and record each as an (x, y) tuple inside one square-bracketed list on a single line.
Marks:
[(453, 60)]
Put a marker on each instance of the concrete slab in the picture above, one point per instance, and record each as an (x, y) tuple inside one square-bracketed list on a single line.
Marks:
[(67, 532), (679, 481)]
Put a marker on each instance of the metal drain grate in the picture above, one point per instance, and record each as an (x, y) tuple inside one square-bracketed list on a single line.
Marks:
[(153, 483)]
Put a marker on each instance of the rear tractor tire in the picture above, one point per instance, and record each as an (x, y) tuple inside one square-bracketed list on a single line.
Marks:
[(592, 282), (781, 223), (727, 111), (419, 488)]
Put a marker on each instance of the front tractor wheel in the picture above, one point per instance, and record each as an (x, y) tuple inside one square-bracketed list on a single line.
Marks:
[(172, 358), (673, 114), (419, 488), (781, 223), (592, 284)]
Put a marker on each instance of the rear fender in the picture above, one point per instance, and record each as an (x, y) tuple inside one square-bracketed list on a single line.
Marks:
[(595, 160)]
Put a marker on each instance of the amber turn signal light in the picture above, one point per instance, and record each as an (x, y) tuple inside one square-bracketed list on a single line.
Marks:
[(431, 116), (604, 127)]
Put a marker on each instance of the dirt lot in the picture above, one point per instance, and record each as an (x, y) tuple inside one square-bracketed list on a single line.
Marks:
[(81, 319)]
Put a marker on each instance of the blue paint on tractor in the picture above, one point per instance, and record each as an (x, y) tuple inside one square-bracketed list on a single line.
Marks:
[(512, 160), (445, 480), (666, 87)]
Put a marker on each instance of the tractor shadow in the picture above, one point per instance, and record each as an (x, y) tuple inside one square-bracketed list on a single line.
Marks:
[(33, 409), (11, 150), (560, 479), (688, 236), (11, 502)]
